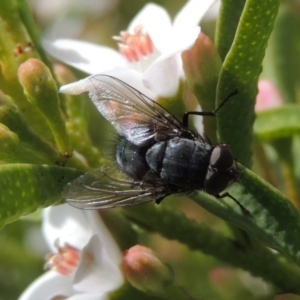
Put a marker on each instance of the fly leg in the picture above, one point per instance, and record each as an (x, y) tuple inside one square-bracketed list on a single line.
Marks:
[(159, 199), (243, 208), (185, 119)]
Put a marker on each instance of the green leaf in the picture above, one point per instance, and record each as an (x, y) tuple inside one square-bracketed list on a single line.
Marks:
[(12, 150), (41, 90), (10, 17), (25, 188), (228, 21), (16, 47), (273, 220), (11, 116), (284, 56), (253, 257), (241, 68), (25, 13), (277, 122)]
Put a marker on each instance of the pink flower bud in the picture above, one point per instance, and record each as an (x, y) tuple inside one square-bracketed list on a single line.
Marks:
[(201, 63), (145, 271)]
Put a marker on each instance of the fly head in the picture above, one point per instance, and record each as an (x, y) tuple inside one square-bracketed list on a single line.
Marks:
[(222, 170)]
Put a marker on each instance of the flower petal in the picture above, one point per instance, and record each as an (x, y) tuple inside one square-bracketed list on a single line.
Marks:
[(163, 75), (183, 39), (129, 76), (191, 14), (152, 16), (213, 13), (98, 227), (85, 56), (48, 286), (67, 224), (77, 87), (156, 20), (96, 272)]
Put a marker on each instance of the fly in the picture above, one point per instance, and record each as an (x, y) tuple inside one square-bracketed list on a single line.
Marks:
[(156, 154)]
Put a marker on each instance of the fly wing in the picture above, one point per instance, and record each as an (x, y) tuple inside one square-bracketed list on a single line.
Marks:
[(135, 116), (99, 190)]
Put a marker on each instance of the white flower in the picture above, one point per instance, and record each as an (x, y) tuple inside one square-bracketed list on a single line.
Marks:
[(151, 45), (97, 271)]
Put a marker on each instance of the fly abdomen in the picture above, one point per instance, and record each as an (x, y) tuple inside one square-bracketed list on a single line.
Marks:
[(180, 162)]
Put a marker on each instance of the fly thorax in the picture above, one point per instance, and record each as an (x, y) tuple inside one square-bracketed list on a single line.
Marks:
[(131, 159), (155, 156)]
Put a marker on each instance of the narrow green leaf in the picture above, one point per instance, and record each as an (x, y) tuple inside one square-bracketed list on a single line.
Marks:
[(11, 116), (25, 188), (11, 19), (16, 47), (12, 150), (229, 17), (33, 31), (41, 90), (241, 69), (273, 220), (254, 257), (285, 55), (10, 86), (277, 122)]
